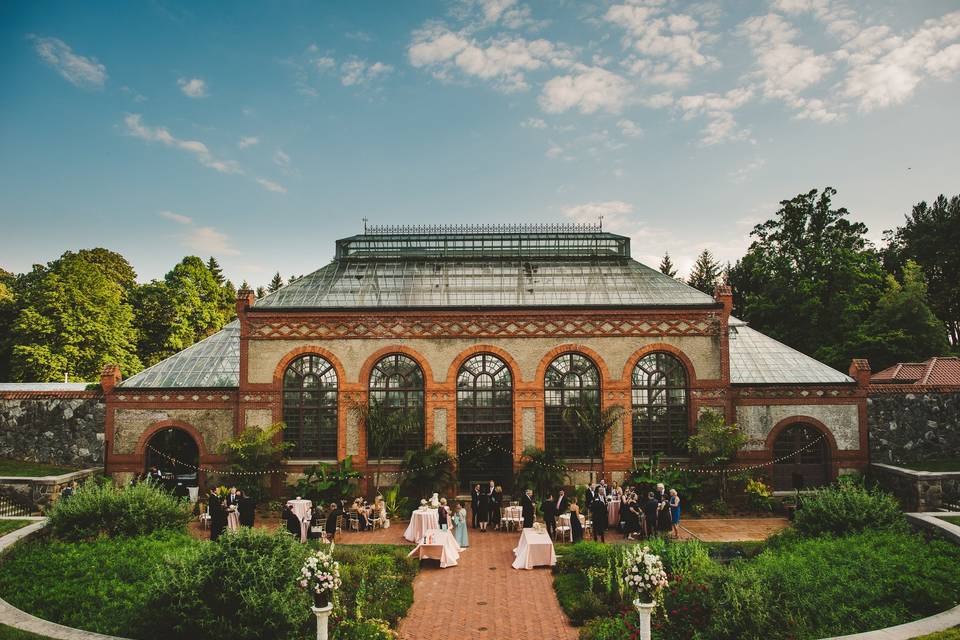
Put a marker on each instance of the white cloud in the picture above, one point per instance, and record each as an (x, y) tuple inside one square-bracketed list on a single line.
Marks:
[(945, 62), (358, 72), (324, 63), (270, 185), (786, 69), (629, 128), (80, 71), (503, 61), (137, 129), (193, 87), (718, 108), (589, 89), (534, 123), (248, 141), (740, 175), (203, 240), (281, 159), (176, 217)]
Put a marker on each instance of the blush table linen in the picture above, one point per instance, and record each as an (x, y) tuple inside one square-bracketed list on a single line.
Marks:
[(301, 509), (420, 523), (613, 513), (233, 520), (440, 545), (535, 549)]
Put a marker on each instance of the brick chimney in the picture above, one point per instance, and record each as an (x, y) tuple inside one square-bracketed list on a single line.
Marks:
[(110, 377), (245, 300), (724, 295), (860, 371)]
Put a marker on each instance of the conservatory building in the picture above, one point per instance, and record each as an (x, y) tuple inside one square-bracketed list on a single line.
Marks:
[(492, 340)]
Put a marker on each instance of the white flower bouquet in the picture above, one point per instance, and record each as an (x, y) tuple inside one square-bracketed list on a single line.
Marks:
[(320, 577), (645, 574)]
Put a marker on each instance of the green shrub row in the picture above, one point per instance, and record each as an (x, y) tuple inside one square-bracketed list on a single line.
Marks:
[(848, 507)]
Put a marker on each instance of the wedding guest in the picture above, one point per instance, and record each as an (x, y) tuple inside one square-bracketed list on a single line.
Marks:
[(632, 517), (232, 498), (334, 511), (590, 495), (663, 509), (650, 510), (598, 511), (67, 492), (549, 510), (443, 514), (246, 506), (528, 508), (460, 526), (483, 509), (292, 521), (562, 503), (496, 502), (379, 513), (475, 506), (675, 512), (181, 491), (218, 515), (361, 513), (576, 527)]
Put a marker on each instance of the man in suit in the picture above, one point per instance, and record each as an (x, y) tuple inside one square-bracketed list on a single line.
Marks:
[(591, 496), (475, 506), (218, 517), (549, 510), (246, 507), (528, 508), (562, 503)]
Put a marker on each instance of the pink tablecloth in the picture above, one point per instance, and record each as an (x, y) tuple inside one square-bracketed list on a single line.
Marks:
[(302, 509), (437, 544), (420, 523), (613, 513), (233, 520), (535, 549)]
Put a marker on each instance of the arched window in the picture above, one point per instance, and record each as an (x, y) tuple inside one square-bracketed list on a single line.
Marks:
[(310, 408), (485, 420), (397, 383), (660, 405), (802, 458), (572, 379)]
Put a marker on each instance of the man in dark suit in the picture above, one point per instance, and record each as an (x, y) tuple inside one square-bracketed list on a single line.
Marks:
[(218, 516), (562, 503), (475, 506), (528, 508), (591, 496), (246, 507), (549, 510)]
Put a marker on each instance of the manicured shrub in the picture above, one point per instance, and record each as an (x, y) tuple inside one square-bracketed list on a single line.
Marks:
[(363, 630), (577, 558), (377, 582), (241, 587), (96, 585), (848, 508), (606, 629), (100, 508)]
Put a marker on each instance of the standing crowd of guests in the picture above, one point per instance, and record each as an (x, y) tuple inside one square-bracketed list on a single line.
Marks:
[(219, 508)]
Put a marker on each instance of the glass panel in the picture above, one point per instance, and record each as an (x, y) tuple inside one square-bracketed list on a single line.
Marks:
[(310, 407), (571, 379), (660, 411), (397, 381)]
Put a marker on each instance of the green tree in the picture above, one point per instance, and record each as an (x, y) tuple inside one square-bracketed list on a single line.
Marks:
[(214, 267), (426, 471), (261, 292), (197, 297), (161, 330), (666, 265), (276, 283), (717, 444), (114, 266), (810, 278), (540, 470), (705, 273), (73, 319), (384, 425), (324, 483), (251, 454), (930, 237), (591, 425), (902, 327), (8, 314)]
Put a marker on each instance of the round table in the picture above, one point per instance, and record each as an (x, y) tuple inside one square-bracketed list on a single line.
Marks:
[(421, 521), (302, 509), (613, 513)]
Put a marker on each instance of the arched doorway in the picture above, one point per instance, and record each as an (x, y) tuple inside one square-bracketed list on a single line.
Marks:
[(485, 421), (175, 453), (802, 456)]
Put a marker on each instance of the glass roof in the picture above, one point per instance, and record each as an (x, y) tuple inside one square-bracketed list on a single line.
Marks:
[(484, 283), (212, 362), (759, 359)]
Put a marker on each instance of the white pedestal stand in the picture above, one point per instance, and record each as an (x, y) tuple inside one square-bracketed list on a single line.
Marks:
[(323, 616), (644, 609)]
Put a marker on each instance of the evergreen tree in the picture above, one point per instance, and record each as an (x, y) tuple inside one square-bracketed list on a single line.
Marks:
[(260, 292), (244, 285), (666, 265), (705, 273), (810, 278), (73, 319), (902, 327), (8, 314), (215, 269), (276, 283)]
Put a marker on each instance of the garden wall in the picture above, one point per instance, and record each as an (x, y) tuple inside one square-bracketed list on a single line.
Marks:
[(913, 425), (918, 490), (61, 428)]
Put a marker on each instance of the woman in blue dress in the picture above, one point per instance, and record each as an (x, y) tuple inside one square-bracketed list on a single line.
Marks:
[(459, 520), (675, 512)]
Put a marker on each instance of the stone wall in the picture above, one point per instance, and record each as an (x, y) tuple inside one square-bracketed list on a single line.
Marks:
[(918, 490), (843, 420), (913, 427), (214, 425), (61, 430)]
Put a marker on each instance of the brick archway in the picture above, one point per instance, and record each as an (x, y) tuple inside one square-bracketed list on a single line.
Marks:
[(304, 351), (665, 348), (150, 431), (553, 354), (831, 464)]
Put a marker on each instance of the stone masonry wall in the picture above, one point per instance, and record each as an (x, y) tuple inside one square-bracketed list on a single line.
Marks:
[(913, 427), (59, 430)]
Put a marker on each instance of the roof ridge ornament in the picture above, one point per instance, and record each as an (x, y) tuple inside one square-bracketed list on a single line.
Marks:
[(541, 227)]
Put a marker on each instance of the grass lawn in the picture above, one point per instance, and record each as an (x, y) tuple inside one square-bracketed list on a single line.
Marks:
[(933, 465), (6, 526), (20, 468), (949, 634), (9, 633), (951, 519)]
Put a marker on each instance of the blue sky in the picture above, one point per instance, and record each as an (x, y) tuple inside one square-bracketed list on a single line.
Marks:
[(261, 132)]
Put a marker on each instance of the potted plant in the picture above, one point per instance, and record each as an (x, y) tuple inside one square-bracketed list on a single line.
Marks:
[(645, 576), (320, 577)]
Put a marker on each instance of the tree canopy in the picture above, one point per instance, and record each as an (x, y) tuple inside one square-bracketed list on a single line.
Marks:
[(705, 274)]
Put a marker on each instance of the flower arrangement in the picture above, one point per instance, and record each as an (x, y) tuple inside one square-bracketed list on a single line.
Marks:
[(645, 574), (320, 577)]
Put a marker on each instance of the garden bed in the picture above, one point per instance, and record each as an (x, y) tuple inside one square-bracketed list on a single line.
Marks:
[(22, 469)]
